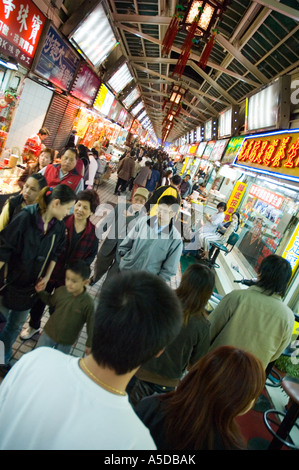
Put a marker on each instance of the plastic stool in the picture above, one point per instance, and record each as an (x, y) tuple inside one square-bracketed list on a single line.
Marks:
[(291, 387)]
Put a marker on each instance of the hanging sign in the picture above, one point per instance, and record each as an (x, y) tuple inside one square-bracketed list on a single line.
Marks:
[(234, 200), (21, 24), (57, 62), (86, 85), (100, 97), (275, 153)]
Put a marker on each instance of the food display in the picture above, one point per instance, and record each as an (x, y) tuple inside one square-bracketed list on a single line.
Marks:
[(9, 179)]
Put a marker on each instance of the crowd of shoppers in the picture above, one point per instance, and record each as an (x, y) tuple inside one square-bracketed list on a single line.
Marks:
[(158, 371)]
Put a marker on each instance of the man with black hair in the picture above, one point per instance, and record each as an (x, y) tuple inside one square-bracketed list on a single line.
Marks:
[(87, 407), (154, 244), (168, 190), (73, 308), (256, 319)]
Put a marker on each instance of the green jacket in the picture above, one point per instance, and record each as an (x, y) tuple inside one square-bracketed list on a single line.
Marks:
[(252, 320), (70, 315)]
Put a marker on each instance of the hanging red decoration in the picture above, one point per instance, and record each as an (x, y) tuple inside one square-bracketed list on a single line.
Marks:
[(186, 50), (207, 51), (170, 34), (164, 104)]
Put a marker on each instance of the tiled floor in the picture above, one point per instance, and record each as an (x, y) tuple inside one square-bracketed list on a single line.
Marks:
[(20, 347)]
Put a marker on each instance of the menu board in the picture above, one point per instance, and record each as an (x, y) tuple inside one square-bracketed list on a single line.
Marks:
[(57, 61), (21, 25), (86, 85), (208, 149)]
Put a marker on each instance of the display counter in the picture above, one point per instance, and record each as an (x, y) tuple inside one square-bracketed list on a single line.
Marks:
[(9, 183), (9, 179)]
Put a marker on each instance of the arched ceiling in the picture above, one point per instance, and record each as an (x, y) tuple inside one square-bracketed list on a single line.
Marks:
[(257, 42)]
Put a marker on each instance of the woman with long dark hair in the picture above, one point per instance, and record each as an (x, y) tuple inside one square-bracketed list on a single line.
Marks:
[(201, 413), (28, 195), (81, 243), (163, 373), (30, 246)]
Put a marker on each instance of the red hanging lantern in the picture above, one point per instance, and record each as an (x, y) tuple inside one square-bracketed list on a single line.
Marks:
[(207, 51), (206, 12)]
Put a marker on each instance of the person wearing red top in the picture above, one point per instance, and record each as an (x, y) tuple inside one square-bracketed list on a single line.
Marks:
[(64, 172)]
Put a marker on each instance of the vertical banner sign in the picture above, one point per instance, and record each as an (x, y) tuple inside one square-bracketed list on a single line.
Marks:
[(291, 252), (21, 24), (234, 200)]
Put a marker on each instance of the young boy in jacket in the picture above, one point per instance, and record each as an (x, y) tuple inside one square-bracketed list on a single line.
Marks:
[(73, 307)]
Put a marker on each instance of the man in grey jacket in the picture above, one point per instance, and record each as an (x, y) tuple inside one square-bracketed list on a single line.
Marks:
[(154, 244)]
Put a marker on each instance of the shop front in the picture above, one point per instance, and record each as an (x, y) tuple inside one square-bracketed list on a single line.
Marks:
[(19, 38)]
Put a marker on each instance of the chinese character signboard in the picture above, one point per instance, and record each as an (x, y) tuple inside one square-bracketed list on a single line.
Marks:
[(86, 85), (267, 196), (234, 200), (57, 62), (274, 153), (21, 24), (291, 252)]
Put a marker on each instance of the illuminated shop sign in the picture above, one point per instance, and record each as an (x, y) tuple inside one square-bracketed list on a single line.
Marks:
[(57, 61), (103, 37), (21, 24), (86, 85), (264, 195), (275, 153), (100, 97), (192, 149)]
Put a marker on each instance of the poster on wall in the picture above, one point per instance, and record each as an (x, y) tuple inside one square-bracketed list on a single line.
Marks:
[(208, 149), (218, 150), (21, 25), (57, 61), (232, 149)]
